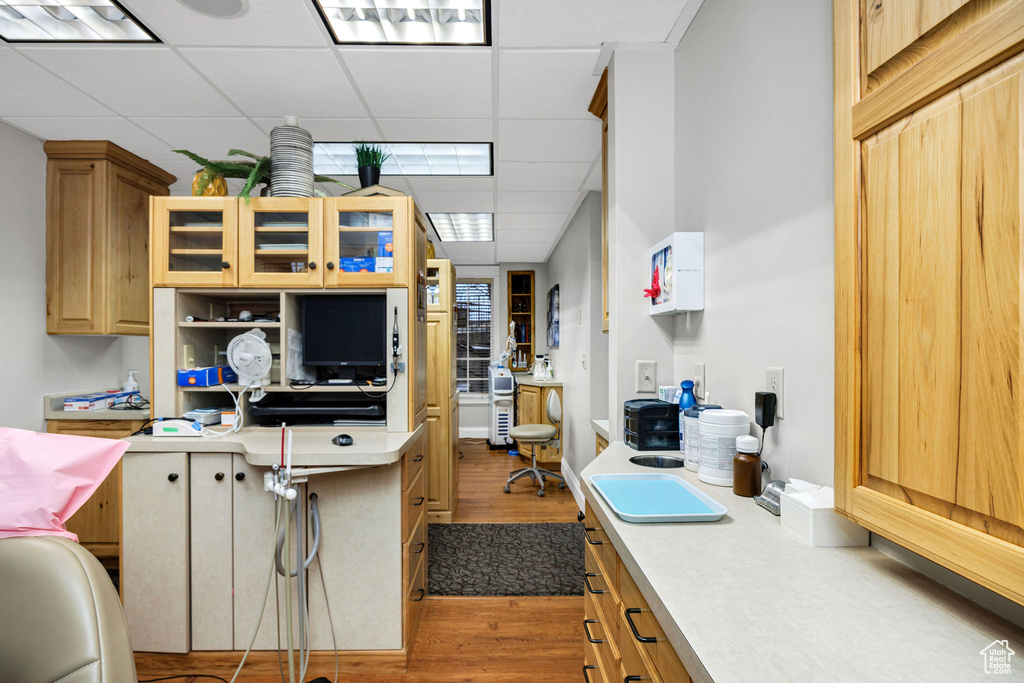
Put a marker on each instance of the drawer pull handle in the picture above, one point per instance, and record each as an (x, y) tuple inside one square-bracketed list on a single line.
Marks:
[(590, 589), (219, 476), (631, 679), (632, 627), (422, 594), (239, 476), (586, 532), (172, 477), (586, 676), (420, 499), (422, 546), (586, 623), (418, 458)]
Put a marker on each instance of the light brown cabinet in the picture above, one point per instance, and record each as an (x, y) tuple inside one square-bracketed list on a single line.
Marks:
[(533, 411), (442, 393), (929, 195), (521, 294), (599, 108), (97, 237)]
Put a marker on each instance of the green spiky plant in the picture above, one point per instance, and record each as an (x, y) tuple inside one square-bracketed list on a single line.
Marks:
[(253, 172), (370, 155)]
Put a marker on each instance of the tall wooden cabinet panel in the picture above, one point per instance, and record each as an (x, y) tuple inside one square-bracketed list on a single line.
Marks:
[(929, 327), (442, 395), (97, 237), (533, 411), (599, 108)]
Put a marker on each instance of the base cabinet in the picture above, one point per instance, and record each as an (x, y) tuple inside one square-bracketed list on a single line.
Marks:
[(533, 411)]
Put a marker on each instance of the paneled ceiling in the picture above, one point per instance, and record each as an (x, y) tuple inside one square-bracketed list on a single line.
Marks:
[(220, 83)]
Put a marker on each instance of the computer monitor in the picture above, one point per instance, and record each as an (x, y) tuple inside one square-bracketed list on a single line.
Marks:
[(344, 330)]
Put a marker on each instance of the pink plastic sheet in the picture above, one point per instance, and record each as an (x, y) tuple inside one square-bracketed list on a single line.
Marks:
[(45, 478)]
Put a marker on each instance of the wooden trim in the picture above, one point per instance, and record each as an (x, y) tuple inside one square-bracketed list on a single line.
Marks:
[(991, 40), (265, 663), (104, 149), (599, 102), (599, 108)]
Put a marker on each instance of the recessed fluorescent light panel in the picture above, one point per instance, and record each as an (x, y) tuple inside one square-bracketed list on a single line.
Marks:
[(408, 22), (408, 158), (463, 227), (69, 21)]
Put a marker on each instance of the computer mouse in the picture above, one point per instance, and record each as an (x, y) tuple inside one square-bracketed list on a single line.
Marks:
[(342, 440)]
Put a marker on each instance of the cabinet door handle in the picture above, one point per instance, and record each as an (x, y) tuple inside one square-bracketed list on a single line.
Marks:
[(420, 499), (330, 265), (172, 477), (586, 630), (225, 265), (422, 546), (422, 594), (632, 626), (632, 679), (418, 458), (239, 476), (312, 265), (219, 476), (590, 589), (586, 532), (580, 516), (586, 676)]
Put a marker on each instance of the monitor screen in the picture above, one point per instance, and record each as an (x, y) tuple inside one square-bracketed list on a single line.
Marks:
[(503, 384), (344, 330)]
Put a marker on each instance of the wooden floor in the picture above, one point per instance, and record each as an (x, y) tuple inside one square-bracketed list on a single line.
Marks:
[(499, 640)]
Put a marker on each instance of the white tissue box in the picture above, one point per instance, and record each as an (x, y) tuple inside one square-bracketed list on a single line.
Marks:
[(811, 517)]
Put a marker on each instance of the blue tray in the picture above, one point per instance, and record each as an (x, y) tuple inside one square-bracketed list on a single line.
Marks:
[(656, 497)]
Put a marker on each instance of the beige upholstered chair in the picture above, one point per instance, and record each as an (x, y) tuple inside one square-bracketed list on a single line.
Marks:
[(60, 617), (539, 436)]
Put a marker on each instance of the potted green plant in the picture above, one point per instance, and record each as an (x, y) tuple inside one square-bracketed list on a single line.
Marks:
[(253, 172), (369, 159)]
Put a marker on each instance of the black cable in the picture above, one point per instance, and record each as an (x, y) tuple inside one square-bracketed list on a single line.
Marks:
[(764, 437), (171, 678), (146, 425)]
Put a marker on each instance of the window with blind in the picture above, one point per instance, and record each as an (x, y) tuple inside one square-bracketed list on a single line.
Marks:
[(473, 335)]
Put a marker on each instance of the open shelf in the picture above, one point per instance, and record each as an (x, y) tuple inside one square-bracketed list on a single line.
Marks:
[(291, 228), (196, 252), (273, 388), (230, 326)]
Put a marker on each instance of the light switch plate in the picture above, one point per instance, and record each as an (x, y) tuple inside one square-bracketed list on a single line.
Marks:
[(700, 389), (646, 376)]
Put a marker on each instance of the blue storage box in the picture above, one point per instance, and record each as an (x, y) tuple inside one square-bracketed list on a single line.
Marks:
[(206, 377)]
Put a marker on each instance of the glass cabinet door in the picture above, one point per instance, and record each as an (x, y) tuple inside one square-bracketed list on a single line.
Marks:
[(194, 241), (367, 243), (280, 242)]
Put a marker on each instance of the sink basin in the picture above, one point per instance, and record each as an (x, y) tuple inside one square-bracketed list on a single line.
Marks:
[(657, 461)]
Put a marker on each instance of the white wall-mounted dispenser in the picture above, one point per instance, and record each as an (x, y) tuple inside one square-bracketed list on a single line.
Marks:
[(679, 262)]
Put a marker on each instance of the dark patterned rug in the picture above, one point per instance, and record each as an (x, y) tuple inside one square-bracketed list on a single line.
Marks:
[(505, 559)]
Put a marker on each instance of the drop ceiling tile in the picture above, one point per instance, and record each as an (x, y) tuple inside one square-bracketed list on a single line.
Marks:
[(523, 252), (275, 83), (511, 222), (329, 129), (135, 81), (30, 90), (118, 130), (505, 236), (434, 83), (437, 130), (550, 84), (536, 202), (593, 181), (281, 23), (539, 140), (183, 170), (455, 202), (542, 23), (210, 138), (469, 253), (541, 176), (450, 184)]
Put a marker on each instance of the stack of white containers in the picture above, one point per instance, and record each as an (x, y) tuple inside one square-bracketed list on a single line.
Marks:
[(718, 432), (291, 160)]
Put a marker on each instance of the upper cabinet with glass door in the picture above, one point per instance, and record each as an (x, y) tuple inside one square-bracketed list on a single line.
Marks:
[(367, 242), (280, 242), (194, 242)]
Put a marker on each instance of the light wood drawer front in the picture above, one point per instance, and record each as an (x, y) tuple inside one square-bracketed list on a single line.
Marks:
[(636, 665), (412, 463), (414, 502), (598, 627), (414, 600), (597, 539), (592, 671), (599, 586), (414, 550), (649, 635)]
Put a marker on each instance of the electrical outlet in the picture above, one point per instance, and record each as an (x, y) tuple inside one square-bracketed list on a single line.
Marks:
[(700, 388), (586, 360), (646, 374), (188, 356), (773, 383)]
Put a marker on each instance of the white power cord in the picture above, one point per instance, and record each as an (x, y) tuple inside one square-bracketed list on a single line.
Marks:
[(239, 415)]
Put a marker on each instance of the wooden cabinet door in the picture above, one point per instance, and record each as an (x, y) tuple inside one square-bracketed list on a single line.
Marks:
[(367, 242), (437, 460), (128, 249), (194, 241), (529, 411), (929, 361), (211, 561), (549, 454), (280, 242), (453, 451)]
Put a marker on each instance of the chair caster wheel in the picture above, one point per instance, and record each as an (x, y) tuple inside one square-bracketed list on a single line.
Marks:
[(540, 492), (561, 484), (507, 490)]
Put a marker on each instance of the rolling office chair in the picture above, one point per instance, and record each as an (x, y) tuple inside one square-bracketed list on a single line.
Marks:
[(539, 436)]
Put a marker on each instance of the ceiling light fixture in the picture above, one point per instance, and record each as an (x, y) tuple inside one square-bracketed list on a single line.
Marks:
[(463, 227), (221, 9), (407, 22), (70, 21), (409, 158)]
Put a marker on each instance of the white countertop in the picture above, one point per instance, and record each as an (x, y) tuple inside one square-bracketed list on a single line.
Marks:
[(311, 446), (601, 427), (743, 600), (526, 378), (53, 409)]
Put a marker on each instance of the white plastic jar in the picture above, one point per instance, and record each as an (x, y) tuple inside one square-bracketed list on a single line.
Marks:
[(690, 429), (718, 432)]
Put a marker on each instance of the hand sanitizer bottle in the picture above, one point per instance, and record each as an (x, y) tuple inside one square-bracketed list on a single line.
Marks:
[(686, 400)]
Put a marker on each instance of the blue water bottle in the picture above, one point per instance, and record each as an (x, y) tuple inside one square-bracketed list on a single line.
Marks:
[(686, 400)]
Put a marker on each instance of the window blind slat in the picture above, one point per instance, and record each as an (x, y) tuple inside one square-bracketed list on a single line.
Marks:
[(472, 335)]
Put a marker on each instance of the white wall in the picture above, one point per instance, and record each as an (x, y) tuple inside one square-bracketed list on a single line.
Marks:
[(37, 363), (754, 172)]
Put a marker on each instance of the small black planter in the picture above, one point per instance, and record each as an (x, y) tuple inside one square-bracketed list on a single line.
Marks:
[(369, 175)]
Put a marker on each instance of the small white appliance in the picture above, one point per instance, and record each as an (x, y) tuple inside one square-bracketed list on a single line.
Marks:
[(250, 356), (500, 388), (678, 261)]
